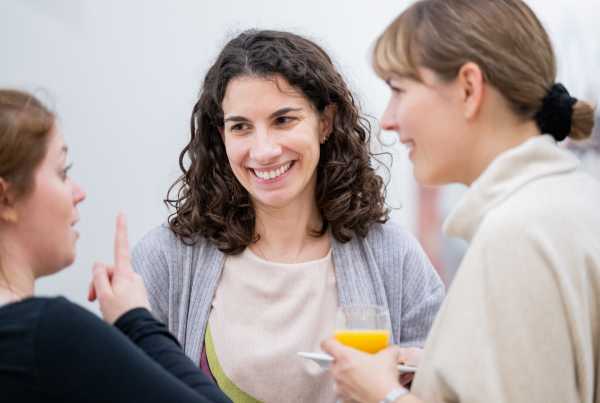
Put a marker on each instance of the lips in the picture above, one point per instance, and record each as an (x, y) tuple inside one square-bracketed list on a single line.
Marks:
[(272, 172)]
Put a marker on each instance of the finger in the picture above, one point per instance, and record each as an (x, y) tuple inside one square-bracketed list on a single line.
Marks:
[(333, 347), (91, 292), (92, 289), (122, 259), (101, 281)]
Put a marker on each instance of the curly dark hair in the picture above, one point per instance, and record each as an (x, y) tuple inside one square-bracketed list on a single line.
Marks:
[(210, 202)]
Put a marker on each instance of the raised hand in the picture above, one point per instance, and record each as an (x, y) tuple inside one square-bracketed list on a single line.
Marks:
[(118, 288)]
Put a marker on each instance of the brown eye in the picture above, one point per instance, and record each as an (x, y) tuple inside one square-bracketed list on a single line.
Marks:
[(282, 120), (239, 127)]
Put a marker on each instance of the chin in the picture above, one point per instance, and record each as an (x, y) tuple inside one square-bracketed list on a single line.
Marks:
[(50, 271), (428, 177), (424, 180), (275, 199), (66, 262), (274, 203)]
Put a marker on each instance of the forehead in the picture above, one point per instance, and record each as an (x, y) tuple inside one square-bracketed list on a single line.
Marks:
[(255, 93), (56, 144)]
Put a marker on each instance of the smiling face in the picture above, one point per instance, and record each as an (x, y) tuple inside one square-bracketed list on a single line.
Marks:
[(430, 121), (47, 214), (272, 137)]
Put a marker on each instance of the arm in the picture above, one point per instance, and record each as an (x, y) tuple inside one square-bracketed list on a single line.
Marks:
[(422, 295), (81, 359), (505, 334), (413, 288), (123, 301), (526, 334), (151, 260), (156, 341)]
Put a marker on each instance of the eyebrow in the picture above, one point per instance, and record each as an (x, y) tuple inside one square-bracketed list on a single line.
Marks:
[(397, 77), (275, 114)]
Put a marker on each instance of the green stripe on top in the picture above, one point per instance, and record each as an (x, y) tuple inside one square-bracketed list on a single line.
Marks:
[(225, 384)]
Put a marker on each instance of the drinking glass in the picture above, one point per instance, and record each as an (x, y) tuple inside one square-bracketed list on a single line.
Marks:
[(363, 327)]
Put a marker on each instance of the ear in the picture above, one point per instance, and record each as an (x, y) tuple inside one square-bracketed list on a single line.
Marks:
[(472, 85), (326, 123), (8, 212), (221, 132)]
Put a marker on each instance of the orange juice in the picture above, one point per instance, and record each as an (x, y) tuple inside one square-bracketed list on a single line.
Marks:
[(369, 341)]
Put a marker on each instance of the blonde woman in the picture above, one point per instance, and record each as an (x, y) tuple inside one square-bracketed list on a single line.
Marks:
[(475, 98)]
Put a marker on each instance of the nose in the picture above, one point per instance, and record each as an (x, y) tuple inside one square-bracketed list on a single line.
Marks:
[(264, 149), (388, 119), (78, 194)]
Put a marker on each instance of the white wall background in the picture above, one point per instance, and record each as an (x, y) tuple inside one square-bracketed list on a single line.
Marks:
[(123, 76)]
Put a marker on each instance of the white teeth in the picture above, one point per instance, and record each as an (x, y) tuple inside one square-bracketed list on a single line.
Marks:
[(274, 173)]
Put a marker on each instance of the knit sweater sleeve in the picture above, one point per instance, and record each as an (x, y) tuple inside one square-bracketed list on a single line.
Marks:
[(422, 294), (414, 290), (151, 258)]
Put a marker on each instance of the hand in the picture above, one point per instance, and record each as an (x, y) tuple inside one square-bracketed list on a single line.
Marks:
[(360, 376), (118, 288)]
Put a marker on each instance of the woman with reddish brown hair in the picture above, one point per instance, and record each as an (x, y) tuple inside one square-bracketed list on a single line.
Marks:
[(474, 96), (279, 219), (52, 350)]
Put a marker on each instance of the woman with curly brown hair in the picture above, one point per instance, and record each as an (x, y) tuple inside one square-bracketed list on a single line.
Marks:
[(279, 219)]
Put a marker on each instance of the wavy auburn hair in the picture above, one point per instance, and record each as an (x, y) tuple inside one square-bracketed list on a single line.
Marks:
[(25, 125), (208, 199)]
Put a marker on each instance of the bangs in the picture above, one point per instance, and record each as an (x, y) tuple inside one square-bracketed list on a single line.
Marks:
[(394, 52)]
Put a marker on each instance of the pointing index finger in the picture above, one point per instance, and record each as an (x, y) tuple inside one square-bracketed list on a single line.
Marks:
[(122, 258)]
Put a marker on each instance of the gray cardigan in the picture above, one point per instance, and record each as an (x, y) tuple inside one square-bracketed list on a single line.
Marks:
[(388, 268)]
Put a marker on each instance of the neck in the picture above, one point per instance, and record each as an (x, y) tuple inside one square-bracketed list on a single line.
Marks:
[(17, 279), (494, 140), (285, 233)]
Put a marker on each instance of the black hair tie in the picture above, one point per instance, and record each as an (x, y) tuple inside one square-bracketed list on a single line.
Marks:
[(556, 115)]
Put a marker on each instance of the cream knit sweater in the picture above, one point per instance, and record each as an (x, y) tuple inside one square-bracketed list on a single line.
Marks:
[(521, 321)]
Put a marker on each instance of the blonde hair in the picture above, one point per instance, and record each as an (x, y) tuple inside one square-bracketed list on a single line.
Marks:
[(503, 37)]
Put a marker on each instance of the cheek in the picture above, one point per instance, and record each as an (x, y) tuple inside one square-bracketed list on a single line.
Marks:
[(308, 149), (410, 116), (236, 153)]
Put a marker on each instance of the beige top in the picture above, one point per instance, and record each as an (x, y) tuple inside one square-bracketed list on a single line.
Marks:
[(263, 313), (521, 320)]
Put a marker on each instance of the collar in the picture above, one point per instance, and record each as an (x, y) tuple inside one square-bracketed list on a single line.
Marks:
[(536, 158)]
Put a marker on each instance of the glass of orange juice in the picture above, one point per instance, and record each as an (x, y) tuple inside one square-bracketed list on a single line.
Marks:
[(364, 327)]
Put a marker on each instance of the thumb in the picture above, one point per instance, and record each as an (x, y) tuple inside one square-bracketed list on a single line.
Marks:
[(101, 281), (333, 347)]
